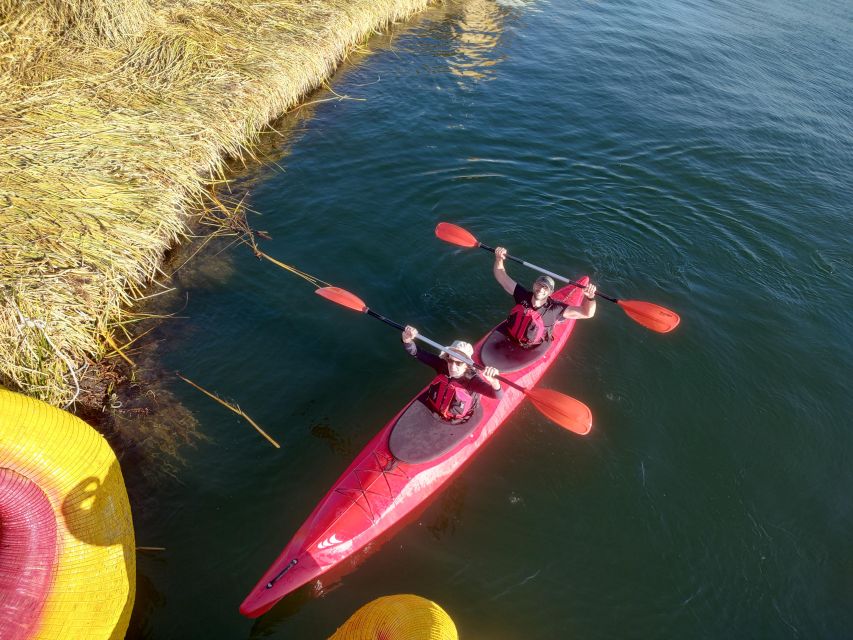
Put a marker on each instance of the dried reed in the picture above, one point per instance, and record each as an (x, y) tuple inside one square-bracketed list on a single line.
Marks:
[(115, 118), (233, 408)]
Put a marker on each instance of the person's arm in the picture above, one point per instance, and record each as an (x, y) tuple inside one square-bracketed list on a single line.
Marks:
[(587, 308), (500, 273), (427, 358), (488, 384), (408, 338)]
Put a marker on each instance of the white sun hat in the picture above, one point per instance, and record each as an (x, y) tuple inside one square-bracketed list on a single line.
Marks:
[(459, 347)]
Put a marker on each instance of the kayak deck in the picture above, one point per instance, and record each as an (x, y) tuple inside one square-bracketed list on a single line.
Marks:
[(379, 488)]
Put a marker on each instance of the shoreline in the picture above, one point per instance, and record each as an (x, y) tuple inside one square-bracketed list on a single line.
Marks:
[(116, 128)]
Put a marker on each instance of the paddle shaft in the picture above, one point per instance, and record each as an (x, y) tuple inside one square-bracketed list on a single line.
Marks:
[(556, 276), (435, 345)]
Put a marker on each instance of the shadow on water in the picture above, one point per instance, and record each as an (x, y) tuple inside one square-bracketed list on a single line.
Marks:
[(341, 446), (449, 516), (148, 600)]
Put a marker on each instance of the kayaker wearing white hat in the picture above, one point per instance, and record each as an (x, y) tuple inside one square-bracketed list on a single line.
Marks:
[(456, 389), (533, 317)]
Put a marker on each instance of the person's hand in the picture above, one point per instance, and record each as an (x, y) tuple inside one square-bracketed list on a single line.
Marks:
[(500, 254), (490, 374), (589, 291), (409, 334)]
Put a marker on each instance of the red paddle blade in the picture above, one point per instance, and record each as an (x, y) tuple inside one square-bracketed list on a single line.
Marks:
[(651, 316), (567, 412), (343, 298), (455, 234)]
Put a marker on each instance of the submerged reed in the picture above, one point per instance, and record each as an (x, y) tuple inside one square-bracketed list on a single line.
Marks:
[(116, 116)]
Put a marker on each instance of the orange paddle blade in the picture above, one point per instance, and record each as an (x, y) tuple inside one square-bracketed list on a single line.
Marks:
[(567, 412), (455, 234), (651, 316), (343, 298)]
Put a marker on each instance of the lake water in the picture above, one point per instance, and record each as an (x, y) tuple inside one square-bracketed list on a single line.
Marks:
[(693, 154)]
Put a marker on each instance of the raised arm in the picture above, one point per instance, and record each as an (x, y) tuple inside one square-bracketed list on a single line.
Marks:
[(500, 271), (490, 375), (427, 358), (587, 308)]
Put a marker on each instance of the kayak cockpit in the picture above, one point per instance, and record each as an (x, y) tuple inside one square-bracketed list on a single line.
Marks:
[(506, 355), (420, 435)]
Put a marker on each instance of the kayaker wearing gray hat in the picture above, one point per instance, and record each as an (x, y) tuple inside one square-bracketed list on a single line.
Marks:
[(456, 389), (533, 317)]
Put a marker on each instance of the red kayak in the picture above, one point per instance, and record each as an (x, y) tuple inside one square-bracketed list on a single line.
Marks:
[(408, 461)]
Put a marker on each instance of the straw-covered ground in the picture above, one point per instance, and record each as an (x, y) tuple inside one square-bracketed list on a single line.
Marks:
[(116, 116)]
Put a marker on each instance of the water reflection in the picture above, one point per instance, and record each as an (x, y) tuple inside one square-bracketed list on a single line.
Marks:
[(476, 34), (467, 35)]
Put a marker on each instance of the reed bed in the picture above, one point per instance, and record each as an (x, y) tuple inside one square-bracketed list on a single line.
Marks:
[(116, 118)]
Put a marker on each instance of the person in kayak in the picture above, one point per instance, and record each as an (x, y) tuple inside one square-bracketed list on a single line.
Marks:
[(456, 389), (535, 313)]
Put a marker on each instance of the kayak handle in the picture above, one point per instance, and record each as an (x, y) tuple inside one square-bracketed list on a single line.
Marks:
[(289, 566)]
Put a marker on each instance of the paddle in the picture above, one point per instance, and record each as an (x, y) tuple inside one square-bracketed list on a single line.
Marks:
[(564, 410), (651, 316)]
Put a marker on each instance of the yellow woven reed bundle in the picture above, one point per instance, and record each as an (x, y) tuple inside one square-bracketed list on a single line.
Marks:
[(398, 617), (95, 580)]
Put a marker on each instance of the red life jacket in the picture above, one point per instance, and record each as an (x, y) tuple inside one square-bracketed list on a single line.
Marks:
[(448, 397), (525, 325)]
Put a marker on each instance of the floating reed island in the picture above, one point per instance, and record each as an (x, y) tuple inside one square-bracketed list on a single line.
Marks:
[(116, 117)]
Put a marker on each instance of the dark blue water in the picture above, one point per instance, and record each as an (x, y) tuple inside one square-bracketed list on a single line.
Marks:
[(692, 154)]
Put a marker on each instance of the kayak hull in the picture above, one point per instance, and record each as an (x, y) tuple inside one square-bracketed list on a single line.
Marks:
[(377, 490)]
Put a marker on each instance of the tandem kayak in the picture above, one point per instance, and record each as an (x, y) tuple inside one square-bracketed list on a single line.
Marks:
[(408, 461)]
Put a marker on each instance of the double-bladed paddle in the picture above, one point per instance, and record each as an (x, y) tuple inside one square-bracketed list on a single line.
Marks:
[(651, 316), (564, 410)]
